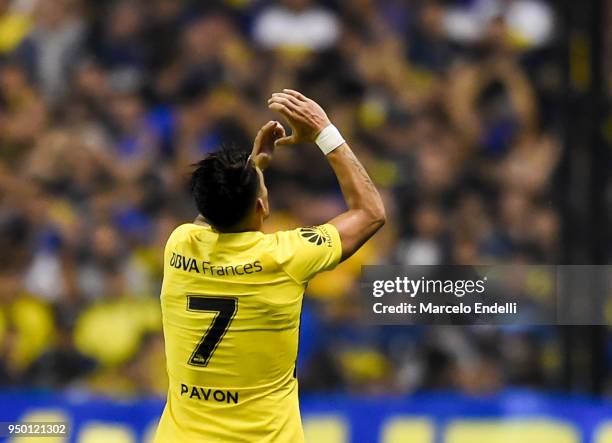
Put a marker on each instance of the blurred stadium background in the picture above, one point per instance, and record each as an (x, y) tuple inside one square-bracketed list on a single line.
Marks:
[(484, 122)]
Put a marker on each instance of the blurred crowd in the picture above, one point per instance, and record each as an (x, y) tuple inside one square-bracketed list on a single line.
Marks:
[(451, 105)]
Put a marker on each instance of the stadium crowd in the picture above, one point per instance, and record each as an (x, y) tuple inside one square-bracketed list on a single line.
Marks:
[(452, 105)]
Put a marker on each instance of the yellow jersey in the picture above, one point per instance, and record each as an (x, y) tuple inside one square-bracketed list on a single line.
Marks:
[(231, 307)]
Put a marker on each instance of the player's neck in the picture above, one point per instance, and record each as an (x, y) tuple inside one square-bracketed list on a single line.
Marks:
[(253, 223)]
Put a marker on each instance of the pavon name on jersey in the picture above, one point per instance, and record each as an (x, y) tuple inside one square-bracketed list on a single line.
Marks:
[(207, 394)]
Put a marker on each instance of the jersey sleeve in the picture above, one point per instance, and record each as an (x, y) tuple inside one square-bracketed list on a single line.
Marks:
[(304, 252)]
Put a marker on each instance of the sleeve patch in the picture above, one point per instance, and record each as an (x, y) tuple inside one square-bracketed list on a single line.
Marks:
[(317, 235)]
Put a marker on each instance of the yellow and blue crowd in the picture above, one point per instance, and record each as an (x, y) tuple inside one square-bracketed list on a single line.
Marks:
[(452, 105)]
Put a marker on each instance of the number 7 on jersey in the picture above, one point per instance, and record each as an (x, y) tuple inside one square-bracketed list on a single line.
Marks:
[(225, 309)]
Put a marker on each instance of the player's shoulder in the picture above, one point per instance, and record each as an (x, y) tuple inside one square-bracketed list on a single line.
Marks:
[(185, 231)]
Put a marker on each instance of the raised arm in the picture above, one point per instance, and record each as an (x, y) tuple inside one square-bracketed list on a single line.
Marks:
[(366, 213)]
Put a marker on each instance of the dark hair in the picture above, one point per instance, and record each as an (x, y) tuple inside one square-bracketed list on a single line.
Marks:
[(224, 186)]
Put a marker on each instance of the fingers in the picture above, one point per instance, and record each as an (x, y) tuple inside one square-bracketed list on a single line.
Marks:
[(266, 128), (289, 140), (269, 125), (270, 132), (279, 131), (287, 101), (296, 94), (282, 108), (294, 109), (290, 98), (262, 131)]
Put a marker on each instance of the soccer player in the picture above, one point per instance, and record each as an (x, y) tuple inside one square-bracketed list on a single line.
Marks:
[(232, 295)]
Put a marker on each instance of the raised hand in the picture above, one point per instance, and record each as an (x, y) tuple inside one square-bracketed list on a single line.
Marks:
[(305, 117), (263, 146)]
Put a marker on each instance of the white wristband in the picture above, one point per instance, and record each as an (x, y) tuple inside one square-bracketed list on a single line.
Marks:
[(329, 139)]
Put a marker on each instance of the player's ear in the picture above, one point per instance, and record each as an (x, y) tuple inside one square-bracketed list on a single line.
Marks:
[(262, 207)]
